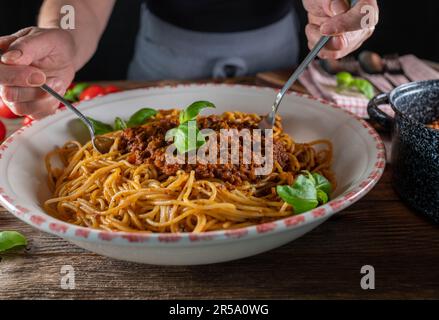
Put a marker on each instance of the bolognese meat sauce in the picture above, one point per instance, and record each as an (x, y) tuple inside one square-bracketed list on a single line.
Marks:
[(147, 144)]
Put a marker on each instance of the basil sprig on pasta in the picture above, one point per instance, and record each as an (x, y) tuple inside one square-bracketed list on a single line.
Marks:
[(186, 136), (100, 127), (120, 124), (306, 193), (140, 117), (192, 111), (137, 119)]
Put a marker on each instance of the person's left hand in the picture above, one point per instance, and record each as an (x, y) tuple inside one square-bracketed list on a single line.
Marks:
[(350, 27)]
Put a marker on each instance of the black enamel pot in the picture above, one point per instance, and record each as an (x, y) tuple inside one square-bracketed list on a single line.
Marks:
[(415, 147)]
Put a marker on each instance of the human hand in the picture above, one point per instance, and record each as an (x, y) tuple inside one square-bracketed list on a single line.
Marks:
[(350, 27), (32, 57)]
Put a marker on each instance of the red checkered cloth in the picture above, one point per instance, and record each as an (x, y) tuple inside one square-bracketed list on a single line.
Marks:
[(323, 85)]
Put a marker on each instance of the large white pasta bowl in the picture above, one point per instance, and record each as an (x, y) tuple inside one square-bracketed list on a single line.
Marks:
[(359, 161)]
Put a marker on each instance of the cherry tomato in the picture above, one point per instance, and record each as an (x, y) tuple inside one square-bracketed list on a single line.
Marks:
[(92, 92), (5, 112), (111, 89), (2, 131), (27, 120)]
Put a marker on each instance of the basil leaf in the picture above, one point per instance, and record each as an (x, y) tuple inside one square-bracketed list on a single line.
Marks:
[(302, 196), (364, 86), (322, 197), (100, 127), (190, 131), (309, 176), (78, 88), (140, 117), (344, 79), (193, 110), (11, 239), (171, 134), (322, 183), (194, 132), (119, 124), (187, 129), (183, 137), (180, 141)]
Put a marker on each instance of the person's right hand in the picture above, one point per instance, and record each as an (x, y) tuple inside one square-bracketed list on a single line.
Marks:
[(32, 57)]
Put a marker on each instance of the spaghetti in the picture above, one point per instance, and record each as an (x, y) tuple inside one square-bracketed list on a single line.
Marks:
[(131, 189)]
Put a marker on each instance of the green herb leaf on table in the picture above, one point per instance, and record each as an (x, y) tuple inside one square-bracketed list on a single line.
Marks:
[(140, 117), (365, 87), (11, 239), (100, 127), (192, 111), (119, 124), (346, 81)]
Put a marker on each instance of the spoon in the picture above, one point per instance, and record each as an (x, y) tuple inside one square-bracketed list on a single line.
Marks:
[(267, 121), (101, 144)]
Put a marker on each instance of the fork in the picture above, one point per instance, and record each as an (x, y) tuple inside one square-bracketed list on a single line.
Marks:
[(267, 121)]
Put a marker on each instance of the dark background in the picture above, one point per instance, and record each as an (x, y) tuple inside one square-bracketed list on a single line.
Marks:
[(405, 27)]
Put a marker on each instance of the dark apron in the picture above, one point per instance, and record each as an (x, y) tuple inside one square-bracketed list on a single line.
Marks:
[(164, 51)]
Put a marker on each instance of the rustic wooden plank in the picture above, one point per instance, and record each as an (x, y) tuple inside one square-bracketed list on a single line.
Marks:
[(324, 263), (282, 273)]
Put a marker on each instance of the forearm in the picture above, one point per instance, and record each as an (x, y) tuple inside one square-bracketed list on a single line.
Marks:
[(91, 18)]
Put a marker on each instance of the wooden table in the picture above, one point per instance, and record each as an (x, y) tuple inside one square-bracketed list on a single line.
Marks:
[(379, 231)]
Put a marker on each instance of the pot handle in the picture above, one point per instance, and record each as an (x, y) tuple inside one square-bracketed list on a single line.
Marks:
[(378, 116)]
